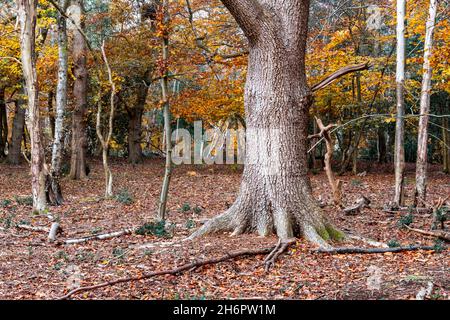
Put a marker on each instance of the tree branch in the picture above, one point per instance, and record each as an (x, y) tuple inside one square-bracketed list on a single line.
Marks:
[(339, 74)]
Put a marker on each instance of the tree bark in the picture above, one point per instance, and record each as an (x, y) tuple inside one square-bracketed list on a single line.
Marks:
[(61, 103), (382, 147), (15, 145), (422, 141), (275, 194), (446, 140), (167, 125), (79, 140), (3, 123), (399, 152), (27, 18)]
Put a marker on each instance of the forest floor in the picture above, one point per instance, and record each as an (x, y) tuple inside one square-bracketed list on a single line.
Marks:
[(30, 268)]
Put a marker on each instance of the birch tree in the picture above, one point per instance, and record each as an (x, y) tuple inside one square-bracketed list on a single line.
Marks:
[(27, 19), (422, 141), (399, 155), (61, 103)]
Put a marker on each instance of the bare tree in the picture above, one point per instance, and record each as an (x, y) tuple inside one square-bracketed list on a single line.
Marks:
[(422, 141), (399, 153), (27, 19)]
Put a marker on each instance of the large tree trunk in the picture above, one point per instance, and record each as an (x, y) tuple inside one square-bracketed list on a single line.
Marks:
[(399, 152), (27, 18), (422, 141), (275, 194), (79, 143), (15, 145), (61, 103), (3, 123)]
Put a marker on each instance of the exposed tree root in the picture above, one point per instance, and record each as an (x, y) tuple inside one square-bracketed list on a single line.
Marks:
[(279, 249), (437, 234), (352, 250), (361, 203), (368, 241), (183, 268)]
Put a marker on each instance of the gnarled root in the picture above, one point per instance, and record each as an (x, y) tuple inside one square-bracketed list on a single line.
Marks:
[(279, 249)]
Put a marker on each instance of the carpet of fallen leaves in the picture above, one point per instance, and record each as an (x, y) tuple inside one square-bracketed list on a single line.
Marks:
[(30, 268)]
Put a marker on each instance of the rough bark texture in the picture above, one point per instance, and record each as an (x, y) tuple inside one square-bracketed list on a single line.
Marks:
[(27, 18), (446, 140), (79, 142), (275, 194), (399, 152), (15, 145), (422, 141)]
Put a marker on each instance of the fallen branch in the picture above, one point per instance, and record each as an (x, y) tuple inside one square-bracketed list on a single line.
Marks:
[(99, 236), (186, 267), (425, 292), (368, 241), (351, 250), (437, 234), (361, 203), (31, 228), (279, 249), (338, 74)]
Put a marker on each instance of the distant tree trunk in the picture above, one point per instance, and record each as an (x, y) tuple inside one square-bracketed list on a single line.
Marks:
[(382, 148), (3, 123), (15, 145), (51, 112), (275, 194), (446, 140), (166, 111), (27, 18), (399, 152), (79, 143), (422, 141), (61, 103), (135, 122)]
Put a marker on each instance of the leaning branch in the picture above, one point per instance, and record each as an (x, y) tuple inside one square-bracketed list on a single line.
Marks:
[(338, 74), (183, 268), (437, 234)]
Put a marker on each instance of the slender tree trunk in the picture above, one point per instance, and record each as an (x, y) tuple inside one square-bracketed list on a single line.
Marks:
[(166, 110), (51, 112), (61, 103), (399, 152), (15, 145), (3, 123), (275, 194), (422, 141), (382, 146), (27, 18), (106, 140), (79, 143)]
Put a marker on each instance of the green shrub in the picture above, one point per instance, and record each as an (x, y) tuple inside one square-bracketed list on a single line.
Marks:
[(393, 244), (190, 224), (5, 203), (157, 229), (24, 201), (406, 220), (185, 207), (124, 197), (197, 209)]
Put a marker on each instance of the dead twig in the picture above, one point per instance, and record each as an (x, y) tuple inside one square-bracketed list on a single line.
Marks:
[(279, 249), (437, 234), (355, 250)]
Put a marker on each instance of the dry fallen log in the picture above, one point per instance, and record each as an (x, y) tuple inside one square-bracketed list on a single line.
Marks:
[(54, 230), (183, 268), (361, 203), (437, 234), (355, 250), (368, 241), (99, 236)]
